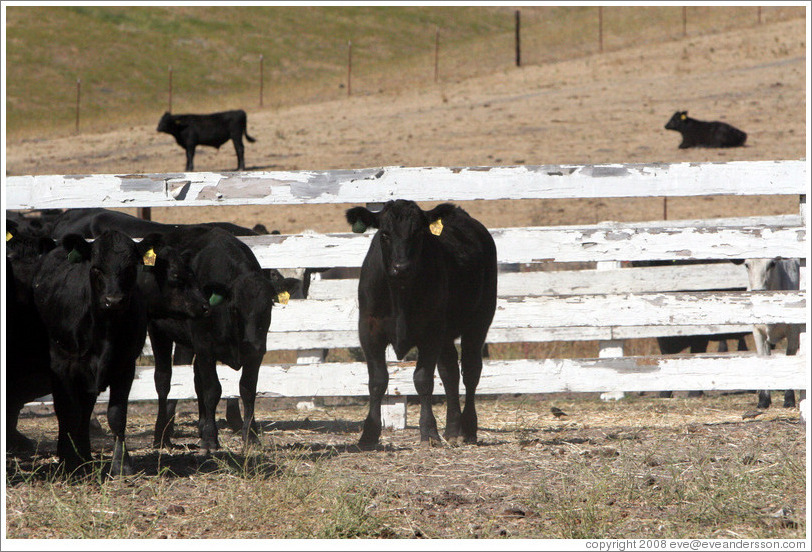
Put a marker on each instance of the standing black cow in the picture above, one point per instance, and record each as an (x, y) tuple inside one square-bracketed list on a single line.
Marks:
[(428, 278), (235, 333), (214, 129), (703, 134), (96, 317), (27, 357)]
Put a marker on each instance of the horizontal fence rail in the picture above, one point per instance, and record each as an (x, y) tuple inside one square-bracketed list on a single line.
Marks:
[(418, 184), (607, 304)]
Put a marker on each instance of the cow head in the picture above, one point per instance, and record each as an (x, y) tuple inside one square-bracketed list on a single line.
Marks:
[(170, 287), (675, 123), (23, 257), (167, 123), (113, 261), (761, 274), (403, 231)]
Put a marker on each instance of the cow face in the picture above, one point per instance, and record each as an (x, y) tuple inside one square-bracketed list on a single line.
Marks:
[(253, 298), (24, 253), (113, 260), (169, 285), (167, 123), (403, 230), (676, 120), (760, 272)]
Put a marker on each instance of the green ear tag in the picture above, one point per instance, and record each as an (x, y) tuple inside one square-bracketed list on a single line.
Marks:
[(215, 299), (359, 227), (74, 256)]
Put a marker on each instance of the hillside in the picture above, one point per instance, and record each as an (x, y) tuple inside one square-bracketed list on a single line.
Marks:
[(597, 108), (123, 55)]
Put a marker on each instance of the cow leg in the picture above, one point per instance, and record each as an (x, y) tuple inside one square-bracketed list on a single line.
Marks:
[(448, 367), (793, 344), (471, 361), (190, 158), (240, 149), (248, 393), (763, 348), (16, 441), (208, 389), (73, 408), (424, 384), (373, 342), (117, 418), (165, 421)]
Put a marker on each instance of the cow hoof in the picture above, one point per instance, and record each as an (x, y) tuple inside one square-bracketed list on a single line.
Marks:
[(454, 441), (367, 445)]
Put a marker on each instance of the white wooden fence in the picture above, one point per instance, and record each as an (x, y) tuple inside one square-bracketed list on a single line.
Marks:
[(608, 304)]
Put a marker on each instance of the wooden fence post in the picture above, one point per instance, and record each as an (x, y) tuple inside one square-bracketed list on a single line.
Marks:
[(78, 93), (518, 39), (612, 348), (349, 67), (600, 28), (437, 54), (170, 89), (261, 79)]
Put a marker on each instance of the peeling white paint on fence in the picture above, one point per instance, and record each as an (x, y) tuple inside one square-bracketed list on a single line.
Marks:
[(556, 244), (678, 373), (419, 184), (606, 306)]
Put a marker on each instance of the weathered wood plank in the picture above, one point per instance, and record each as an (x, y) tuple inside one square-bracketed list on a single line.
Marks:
[(556, 244), (616, 310), (678, 372), (416, 183), (586, 282)]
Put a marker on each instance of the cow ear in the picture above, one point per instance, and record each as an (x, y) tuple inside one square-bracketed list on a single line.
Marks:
[(149, 248), (216, 294), (361, 218), (683, 115), (77, 248), (436, 216)]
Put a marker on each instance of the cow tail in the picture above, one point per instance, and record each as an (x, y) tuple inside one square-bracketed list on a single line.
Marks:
[(248, 137)]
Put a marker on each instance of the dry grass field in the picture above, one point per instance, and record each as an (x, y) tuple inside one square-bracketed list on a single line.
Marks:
[(640, 468)]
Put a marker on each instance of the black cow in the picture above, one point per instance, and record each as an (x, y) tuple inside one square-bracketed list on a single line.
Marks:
[(703, 134), (27, 356), (235, 333), (428, 278), (96, 318), (214, 129), (166, 284), (241, 294)]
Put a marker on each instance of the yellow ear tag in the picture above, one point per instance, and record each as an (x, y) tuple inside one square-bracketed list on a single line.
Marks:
[(436, 227), (8, 236), (283, 297), (149, 257), (683, 116)]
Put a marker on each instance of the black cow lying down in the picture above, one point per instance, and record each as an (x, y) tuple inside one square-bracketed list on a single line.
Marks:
[(702, 134), (428, 278), (214, 129), (96, 318), (241, 295)]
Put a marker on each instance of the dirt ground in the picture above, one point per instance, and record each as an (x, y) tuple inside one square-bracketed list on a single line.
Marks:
[(643, 467)]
